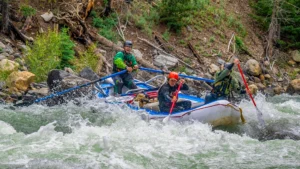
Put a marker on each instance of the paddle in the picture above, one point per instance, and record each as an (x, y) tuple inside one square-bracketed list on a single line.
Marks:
[(258, 112), (166, 119), (181, 75), (69, 90)]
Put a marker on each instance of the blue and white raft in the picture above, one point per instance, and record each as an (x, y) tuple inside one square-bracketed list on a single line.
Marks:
[(217, 113)]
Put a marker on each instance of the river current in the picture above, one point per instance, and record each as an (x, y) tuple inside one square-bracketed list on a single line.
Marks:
[(100, 135)]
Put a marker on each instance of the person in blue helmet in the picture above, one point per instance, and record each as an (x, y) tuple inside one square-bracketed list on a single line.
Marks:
[(124, 60)]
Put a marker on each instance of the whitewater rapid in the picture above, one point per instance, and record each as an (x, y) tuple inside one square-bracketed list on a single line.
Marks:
[(100, 135)]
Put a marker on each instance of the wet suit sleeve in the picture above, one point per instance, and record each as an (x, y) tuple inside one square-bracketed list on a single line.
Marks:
[(184, 87), (221, 75), (119, 61), (165, 94)]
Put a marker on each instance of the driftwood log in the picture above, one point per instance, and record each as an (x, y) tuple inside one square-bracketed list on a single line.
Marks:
[(195, 53)]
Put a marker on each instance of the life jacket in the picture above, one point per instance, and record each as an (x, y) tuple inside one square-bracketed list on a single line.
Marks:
[(222, 87), (127, 61)]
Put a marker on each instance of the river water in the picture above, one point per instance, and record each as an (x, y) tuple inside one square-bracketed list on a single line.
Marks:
[(100, 135)]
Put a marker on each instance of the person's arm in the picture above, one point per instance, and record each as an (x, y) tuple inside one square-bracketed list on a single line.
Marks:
[(221, 75), (119, 61), (184, 87), (165, 94)]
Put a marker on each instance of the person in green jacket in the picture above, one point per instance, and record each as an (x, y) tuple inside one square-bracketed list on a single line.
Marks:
[(124, 60), (224, 84)]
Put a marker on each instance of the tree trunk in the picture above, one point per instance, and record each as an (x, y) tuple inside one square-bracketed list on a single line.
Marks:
[(107, 8), (5, 17), (274, 30)]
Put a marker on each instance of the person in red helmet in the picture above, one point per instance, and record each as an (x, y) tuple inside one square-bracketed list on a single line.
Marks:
[(167, 92)]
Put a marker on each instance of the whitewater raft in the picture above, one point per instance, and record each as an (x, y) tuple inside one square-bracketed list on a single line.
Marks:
[(217, 113)]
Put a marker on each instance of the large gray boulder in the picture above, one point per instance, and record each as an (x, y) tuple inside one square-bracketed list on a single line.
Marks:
[(89, 74), (253, 68), (164, 60), (296, 55), (60, 80)]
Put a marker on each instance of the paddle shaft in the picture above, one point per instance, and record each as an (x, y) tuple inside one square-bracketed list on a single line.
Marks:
[(74, 88), (181, 75), (176, 94), (246, 85)]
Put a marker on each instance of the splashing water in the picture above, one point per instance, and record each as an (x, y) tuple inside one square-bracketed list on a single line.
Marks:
[(101, 135)]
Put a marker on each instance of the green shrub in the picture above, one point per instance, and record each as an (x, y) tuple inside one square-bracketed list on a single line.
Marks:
[(27, 10), (4, 75), (166, 35), (174, 12), (44, 54), (87, 59), (239, 44), (288, 18), (66, 47), (106, 26), (140, 22), (1, 50), (293, 74)]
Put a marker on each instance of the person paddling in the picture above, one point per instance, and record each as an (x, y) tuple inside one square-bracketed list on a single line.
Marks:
[(166, 94), (224, 84), (124, 60)]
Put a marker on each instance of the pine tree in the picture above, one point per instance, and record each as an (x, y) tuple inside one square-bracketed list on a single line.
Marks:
[(66, 49)]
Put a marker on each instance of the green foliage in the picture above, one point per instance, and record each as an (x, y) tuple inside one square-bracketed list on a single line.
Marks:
[(106, 26), (293, 74), (27, 10), (175, 12), (93, 14), (146, 18), (288, 18), (44, 54), (66, 48), (1, 50), (87, 59), (140, 22), (212, 39), (4, 75), (239, 44), (166, 35)]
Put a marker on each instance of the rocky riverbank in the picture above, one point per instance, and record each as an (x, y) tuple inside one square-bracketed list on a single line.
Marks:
[(20, 83)]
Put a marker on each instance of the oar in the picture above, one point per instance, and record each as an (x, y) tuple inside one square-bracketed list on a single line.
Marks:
[(166, 119), (69, 90), (181, 75), (258, 112)]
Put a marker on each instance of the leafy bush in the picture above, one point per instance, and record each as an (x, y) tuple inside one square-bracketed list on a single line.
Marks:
[(27, 10), (1, 50), (51, 50), (288, 18), (174, 12), (87, 59), (43, 55), (106, 26), (239, 44), (4, 75), (166, 35), (66, 47)]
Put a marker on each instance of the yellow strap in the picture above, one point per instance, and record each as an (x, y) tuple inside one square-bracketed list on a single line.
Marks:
[(240, 110), (242, 117)]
